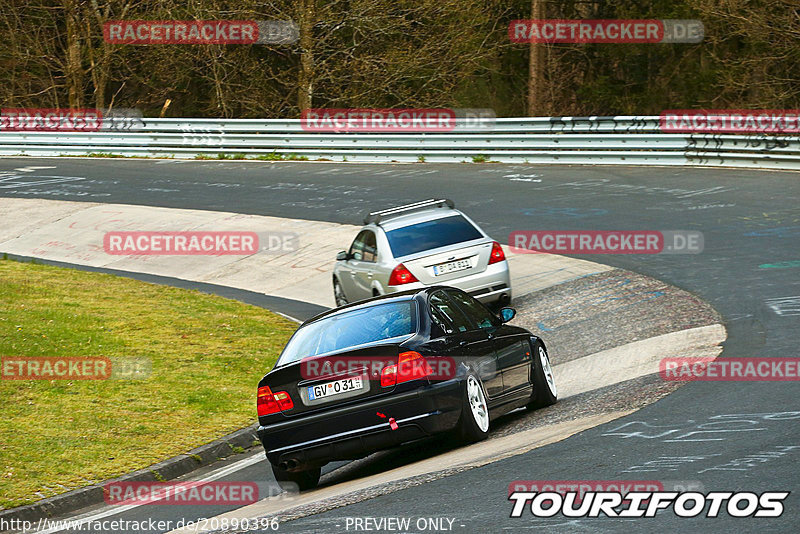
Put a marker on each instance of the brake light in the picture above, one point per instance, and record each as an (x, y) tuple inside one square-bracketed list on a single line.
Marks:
[(410, 366), (400, 275), (268, 403), (497, 254)]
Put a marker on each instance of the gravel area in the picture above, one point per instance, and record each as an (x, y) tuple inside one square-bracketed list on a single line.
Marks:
[(606, 310)]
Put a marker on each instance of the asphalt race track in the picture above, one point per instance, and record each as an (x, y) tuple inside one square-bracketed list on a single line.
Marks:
[(728, 436)]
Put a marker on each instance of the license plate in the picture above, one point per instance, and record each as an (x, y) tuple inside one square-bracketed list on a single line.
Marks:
[(450, 267), (337, 387)]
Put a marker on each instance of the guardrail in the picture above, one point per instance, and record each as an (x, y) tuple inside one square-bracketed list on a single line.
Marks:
[(622, 140)]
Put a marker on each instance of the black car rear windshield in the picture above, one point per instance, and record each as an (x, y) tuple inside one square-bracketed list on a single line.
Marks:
[(351, 329), (431, 234)]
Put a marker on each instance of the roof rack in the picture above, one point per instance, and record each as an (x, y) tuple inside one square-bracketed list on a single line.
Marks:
[(376, 216)]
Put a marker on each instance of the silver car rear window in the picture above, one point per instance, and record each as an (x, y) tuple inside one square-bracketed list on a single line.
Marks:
[(431, 234)]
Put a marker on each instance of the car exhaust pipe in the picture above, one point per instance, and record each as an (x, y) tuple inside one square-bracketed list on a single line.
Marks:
[(291, 463)]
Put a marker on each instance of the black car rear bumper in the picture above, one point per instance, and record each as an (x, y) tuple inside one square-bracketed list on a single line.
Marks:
[(354, 431)]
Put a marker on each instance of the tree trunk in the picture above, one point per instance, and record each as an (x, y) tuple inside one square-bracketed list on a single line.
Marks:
[(536, 87), (74, 73), (99, 68), (306, 86)]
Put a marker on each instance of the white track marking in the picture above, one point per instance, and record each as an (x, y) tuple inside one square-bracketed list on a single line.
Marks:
[(31, 169), (298, 321)]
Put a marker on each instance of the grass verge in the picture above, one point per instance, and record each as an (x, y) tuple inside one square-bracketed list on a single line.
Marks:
[(207, 354)]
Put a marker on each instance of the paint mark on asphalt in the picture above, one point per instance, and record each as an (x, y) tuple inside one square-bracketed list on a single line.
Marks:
[(31, 169), (785, 306), (718, 427), (13, 181), (780, 265), (781, 231), (572, 213)]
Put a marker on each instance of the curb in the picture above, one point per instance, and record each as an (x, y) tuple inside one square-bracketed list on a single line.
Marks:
[(167, 470)]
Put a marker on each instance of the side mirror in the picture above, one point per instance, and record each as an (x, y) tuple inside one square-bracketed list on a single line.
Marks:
[(506, 314), (342, 256)]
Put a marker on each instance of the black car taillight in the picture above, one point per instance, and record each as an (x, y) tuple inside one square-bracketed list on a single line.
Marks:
[(269, 403), (410, 366)]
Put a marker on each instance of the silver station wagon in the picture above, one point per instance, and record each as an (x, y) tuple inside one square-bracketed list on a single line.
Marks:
[(418, 245)]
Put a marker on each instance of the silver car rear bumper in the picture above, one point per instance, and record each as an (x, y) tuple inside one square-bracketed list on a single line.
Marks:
[(490, 286)]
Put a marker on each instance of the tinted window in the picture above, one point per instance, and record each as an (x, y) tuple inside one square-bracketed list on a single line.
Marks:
[(350, 329), (370, 247), (446, 315), (474, 309), (431, 234), (363, 247)]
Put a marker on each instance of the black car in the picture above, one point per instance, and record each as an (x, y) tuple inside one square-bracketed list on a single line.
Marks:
[(391, 370)]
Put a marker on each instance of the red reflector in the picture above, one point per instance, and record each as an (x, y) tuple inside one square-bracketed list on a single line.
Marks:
[(265, 402), (497, 254), (400, 275)]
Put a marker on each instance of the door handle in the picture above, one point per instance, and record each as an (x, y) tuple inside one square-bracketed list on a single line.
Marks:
[(462, 343), (490, 336)]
